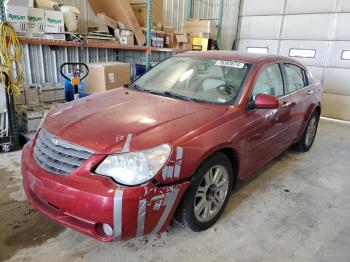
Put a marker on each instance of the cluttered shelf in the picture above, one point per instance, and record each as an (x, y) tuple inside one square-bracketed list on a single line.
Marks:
[(94, 44)]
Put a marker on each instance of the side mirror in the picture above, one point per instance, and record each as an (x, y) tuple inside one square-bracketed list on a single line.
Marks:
[(263, 101)]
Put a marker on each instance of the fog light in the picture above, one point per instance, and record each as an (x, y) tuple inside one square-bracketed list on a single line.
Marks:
[(107, 229)]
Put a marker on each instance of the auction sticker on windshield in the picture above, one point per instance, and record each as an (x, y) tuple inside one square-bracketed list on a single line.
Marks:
[(234, 64)]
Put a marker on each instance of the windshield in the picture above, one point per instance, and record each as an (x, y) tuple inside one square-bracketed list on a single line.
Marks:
[(211, 81)]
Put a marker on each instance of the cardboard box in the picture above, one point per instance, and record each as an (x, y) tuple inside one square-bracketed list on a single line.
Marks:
[(59, 37), (182, 41), (103, 22), (54, 22), (127, 40), (36, 23), (124, 36), (121, 11), (106, 76), (170, 40), (140, 10), (18, 17), (200, 26)]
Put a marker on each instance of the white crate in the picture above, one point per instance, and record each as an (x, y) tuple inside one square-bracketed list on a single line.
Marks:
[(29, 118), (4, 121), (4, 124), (47, 92), (32, 94)]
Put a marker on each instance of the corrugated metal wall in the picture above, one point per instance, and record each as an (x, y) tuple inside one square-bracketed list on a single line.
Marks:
[(42, 63), (210, 9), (175, 12)]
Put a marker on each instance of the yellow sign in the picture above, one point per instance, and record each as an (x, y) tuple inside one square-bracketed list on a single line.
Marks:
[(200, 44)]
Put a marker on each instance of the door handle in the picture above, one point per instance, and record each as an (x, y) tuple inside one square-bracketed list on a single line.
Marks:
[(309, 92), (286, 104)]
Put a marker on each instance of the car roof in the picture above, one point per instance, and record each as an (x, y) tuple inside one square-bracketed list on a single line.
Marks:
[(249, 58)]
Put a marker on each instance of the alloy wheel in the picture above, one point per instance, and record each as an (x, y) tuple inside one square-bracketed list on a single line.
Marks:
[(211, 193), (311, 131)]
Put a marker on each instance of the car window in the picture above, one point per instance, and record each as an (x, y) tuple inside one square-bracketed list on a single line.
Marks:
[(269, 82), (295, 77), (213, 81), (309, 78)]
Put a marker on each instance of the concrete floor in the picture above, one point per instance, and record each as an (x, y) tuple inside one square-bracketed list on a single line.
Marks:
[(296, 209)]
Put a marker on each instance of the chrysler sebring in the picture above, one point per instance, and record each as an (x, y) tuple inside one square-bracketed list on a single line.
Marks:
[(172, 144)]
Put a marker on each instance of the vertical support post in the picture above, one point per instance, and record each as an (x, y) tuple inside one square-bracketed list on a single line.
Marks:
[(13, 124), (221, 13), (148, 34), (2, 11), (190, 8)]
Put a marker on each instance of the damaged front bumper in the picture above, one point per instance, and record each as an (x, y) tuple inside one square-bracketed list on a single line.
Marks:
[(86, 202)]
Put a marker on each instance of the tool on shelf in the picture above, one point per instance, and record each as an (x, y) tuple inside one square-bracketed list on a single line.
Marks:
[(76, 77)]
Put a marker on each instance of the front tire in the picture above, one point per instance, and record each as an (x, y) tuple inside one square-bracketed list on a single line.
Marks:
[(208, 194), (309, 134)]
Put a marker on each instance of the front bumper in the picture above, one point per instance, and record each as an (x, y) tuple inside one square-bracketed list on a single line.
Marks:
[(85, 201)]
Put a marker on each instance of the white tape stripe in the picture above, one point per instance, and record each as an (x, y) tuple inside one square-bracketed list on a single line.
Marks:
[(117, 213), (178, 163), (141, 218), (169, 201), (179, 153), (126, 147)]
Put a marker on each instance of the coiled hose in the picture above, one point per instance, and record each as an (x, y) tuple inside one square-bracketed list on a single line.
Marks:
[(11, 57)]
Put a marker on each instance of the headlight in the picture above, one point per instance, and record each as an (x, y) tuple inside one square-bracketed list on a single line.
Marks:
[(134, 168)]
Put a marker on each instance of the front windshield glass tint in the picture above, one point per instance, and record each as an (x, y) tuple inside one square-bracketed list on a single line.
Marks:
[(212, 81)]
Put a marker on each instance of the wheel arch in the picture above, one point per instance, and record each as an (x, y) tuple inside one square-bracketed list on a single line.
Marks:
[(230, 153), (318, 109)]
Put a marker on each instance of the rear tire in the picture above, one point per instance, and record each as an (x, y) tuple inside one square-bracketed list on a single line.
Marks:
[(207, 195), (309, 134)]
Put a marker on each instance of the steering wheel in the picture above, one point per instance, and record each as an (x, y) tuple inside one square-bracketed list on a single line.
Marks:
[(226, 89)]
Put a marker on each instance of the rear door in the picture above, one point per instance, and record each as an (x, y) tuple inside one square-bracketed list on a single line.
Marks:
[(298, 93), (266, 128)]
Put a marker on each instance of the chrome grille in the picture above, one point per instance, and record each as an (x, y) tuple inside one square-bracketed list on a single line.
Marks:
[(58, 156)]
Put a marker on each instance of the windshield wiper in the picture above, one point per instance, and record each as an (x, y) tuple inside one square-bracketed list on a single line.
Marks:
[(175, 95), (164, 93), (136, 87)]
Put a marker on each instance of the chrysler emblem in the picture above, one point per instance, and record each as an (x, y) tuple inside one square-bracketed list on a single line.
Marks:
[(55, 141)]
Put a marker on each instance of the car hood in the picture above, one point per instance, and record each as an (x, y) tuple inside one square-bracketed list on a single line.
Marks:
[(103, 122)]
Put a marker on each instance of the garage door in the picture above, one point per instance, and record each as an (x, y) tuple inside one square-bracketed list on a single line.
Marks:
[(315, 32)]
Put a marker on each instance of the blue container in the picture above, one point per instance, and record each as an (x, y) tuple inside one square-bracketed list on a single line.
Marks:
[(139, 70), (69, 90)]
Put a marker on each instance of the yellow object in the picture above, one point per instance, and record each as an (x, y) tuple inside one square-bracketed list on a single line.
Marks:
[(11, 56), (200, 44), (75, 81)]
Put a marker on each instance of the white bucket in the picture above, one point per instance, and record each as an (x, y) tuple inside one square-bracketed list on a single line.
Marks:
[(71, 17)]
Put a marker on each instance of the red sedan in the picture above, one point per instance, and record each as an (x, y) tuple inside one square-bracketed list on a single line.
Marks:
[(123, 163)]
